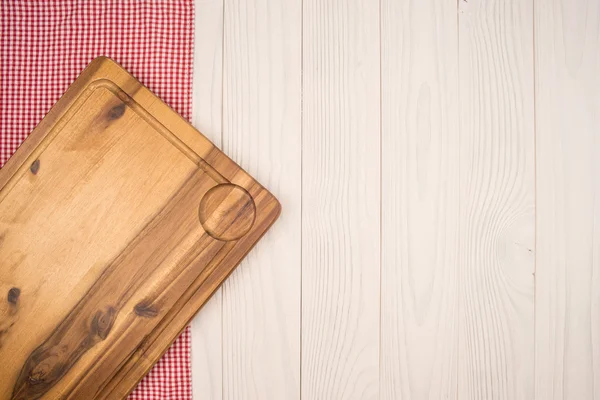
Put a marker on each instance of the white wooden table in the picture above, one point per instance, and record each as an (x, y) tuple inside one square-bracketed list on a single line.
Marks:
[(438, 164)]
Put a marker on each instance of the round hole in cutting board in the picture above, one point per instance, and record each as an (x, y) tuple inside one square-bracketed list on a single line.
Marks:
[(227, 212)]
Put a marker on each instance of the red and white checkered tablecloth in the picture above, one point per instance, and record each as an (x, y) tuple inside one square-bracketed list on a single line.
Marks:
[(44, 45)]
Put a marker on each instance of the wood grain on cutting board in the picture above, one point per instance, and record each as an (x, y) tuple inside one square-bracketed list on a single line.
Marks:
[(118, 221)]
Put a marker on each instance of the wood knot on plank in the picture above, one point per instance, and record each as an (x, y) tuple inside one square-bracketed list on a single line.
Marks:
[(103, 322), (39, 374), (13, 295), (145, 310), (116, 112), (71, 339), (35, 167)]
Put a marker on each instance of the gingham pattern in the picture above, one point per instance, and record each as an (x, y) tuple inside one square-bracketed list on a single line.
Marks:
[(171, 376), (44, 45)]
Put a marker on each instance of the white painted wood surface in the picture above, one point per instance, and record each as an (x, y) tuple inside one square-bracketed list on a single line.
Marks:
[(436, 161), (420, 208), (262, 132), (567, 65), (497, 191), (340, 200)]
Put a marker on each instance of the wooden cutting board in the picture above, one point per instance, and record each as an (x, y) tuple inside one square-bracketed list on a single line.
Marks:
[(118, 220)]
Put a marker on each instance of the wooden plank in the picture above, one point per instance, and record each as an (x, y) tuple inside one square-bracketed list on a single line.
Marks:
[(207, 102), (567, 93), (341, 200), (496, 246), (419, 216), (106, 292), (261, 131)]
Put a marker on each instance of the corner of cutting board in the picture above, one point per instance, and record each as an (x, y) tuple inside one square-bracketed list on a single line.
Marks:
[(96, 62)]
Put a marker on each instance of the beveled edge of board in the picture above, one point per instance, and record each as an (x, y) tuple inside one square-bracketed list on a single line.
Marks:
[(268, 208)]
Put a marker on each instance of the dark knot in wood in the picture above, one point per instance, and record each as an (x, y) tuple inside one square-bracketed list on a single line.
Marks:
[(35, 167), (48, 363), (145, 310), (116, 112), (13, 295), (103, 322)]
